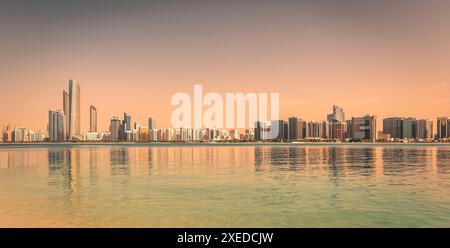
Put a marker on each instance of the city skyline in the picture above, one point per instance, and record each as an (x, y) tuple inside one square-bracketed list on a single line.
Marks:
[(335, 128), (92, 119), (387, 59)]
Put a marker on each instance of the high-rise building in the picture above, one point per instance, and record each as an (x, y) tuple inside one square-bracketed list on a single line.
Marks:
[(127, 121), (93, 119), (338, 115), (338, 130), (277, 134), (151, 123), (364, 128), (56, 122), (409, 128), (114, 129), (424, 129), (443, 128), (262, 129), (301, 129), (74, 109), (66, 109), (293, 128), (394, 127)]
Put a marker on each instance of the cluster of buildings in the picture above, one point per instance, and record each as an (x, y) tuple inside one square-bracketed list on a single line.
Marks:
[(120, 130), (335, 128), (20, 134), (64, 125)]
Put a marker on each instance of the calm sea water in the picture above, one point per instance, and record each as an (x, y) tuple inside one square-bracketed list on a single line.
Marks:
[(225, 186)]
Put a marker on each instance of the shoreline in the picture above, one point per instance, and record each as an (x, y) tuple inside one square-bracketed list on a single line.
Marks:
[(192, 144)]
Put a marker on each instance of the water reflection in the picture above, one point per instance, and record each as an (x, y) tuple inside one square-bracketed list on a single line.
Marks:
[(119, 161), (60, 169)]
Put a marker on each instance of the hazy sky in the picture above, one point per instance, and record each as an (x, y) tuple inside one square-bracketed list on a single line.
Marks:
[(388, 58)]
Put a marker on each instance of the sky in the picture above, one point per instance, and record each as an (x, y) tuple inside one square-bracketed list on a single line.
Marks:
[(387, 58)]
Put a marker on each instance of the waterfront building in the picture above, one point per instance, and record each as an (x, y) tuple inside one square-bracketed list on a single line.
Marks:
[(301, 129), (114, 129), (338, 115), (338, 130), (56, 122), (66, 109), (74, 109), (153, 135), (151, 123), (293, 128), (394, 127), (443, 128), (92, 119), (409, 128), (364, 128), (279, 135), (126, 121), (169, 135), (143, 133), (91, 136), (424, 129), (383, 136), (137, 125), (285, 130)]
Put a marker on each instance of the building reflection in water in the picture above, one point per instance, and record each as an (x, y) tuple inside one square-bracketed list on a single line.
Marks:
[(93, 158), (64, 169), (119, 161)]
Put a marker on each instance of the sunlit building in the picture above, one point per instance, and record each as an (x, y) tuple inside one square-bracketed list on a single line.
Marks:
[(74, 109), (443, 128), (424, 129), (114, 129), (92, 119), (338, 115), (394, 127), (56, 122), (364, 128)]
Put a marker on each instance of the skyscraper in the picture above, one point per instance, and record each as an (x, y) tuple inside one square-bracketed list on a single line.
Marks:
[(93, 119), (127, 121), (443, 128), (151, 123), (66, 109), (114, 129), (338, 115), (394, 127), (56, 121), (409, 128), (293, 128), (364, 128), (424, 129), (74, 109)]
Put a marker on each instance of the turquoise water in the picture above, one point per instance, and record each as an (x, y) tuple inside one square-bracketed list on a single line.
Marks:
[(225, 186)]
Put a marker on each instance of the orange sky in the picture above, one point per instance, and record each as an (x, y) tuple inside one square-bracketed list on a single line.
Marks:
[(388, 59)]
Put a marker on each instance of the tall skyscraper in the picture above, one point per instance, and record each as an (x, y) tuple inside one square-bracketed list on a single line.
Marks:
[(338, 115), (364, 128), (443, 127), (127, 121), (56, 121), (74, 109), (114, 129), (151, 123), (66, 109), (301, 129), (394, 127), (424, 129), (292, 128), (93, 119)]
